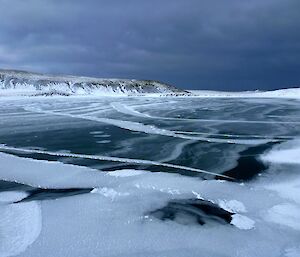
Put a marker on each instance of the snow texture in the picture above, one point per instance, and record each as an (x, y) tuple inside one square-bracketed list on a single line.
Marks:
[(110, 220), (20, 224)]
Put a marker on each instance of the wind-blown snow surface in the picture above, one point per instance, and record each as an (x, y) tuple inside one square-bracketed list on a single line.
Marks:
[(62, 193)]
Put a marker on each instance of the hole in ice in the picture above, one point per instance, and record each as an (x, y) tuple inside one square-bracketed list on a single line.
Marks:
[(193, 211)]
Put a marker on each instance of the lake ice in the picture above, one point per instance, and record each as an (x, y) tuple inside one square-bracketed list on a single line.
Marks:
[(149, 176)]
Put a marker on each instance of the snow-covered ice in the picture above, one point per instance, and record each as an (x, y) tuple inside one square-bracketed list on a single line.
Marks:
[(288, 153), (285, 214), (117, 209), (20, 224), (242, 222)]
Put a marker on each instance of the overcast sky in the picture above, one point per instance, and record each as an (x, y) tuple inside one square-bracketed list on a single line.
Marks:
[(199, 44)]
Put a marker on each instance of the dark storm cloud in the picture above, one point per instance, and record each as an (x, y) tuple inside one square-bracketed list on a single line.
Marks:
[(212, 44)]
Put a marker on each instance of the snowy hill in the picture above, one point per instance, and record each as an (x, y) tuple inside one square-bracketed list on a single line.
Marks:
[(21, 83)]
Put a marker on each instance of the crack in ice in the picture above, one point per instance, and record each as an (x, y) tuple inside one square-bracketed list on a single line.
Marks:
[(108, 158)]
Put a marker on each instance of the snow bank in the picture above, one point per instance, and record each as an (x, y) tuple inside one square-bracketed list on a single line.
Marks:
[(280, 93)]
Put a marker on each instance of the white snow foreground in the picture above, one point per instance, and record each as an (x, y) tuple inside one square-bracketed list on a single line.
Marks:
[(287, 153), (113, 219), (20, 224), (286, 213)]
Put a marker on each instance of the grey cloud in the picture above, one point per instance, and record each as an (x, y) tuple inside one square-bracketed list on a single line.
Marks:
[(229, 45)]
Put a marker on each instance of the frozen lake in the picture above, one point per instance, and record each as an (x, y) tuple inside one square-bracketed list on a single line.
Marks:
[(138, 176)]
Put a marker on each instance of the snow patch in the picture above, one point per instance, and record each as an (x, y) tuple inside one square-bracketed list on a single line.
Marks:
[(126, 173), (287, 153), (280, 93), (103, 141), (285, 214), (10, 197), (292, 252), (242, 222), (20, 224), (108, 192), (47, 174), (232, 206), (289, 189)]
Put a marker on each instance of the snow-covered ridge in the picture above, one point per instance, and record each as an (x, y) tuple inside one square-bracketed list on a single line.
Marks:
[(21, 83)]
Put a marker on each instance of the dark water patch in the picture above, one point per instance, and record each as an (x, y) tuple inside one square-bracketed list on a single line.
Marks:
[(63, 159), (175, 171), (154, 168), (35, 156), (53, 194), (76, 140), (248, 164), (119, 167), (41, 193), (13, 186), (193, 211)]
